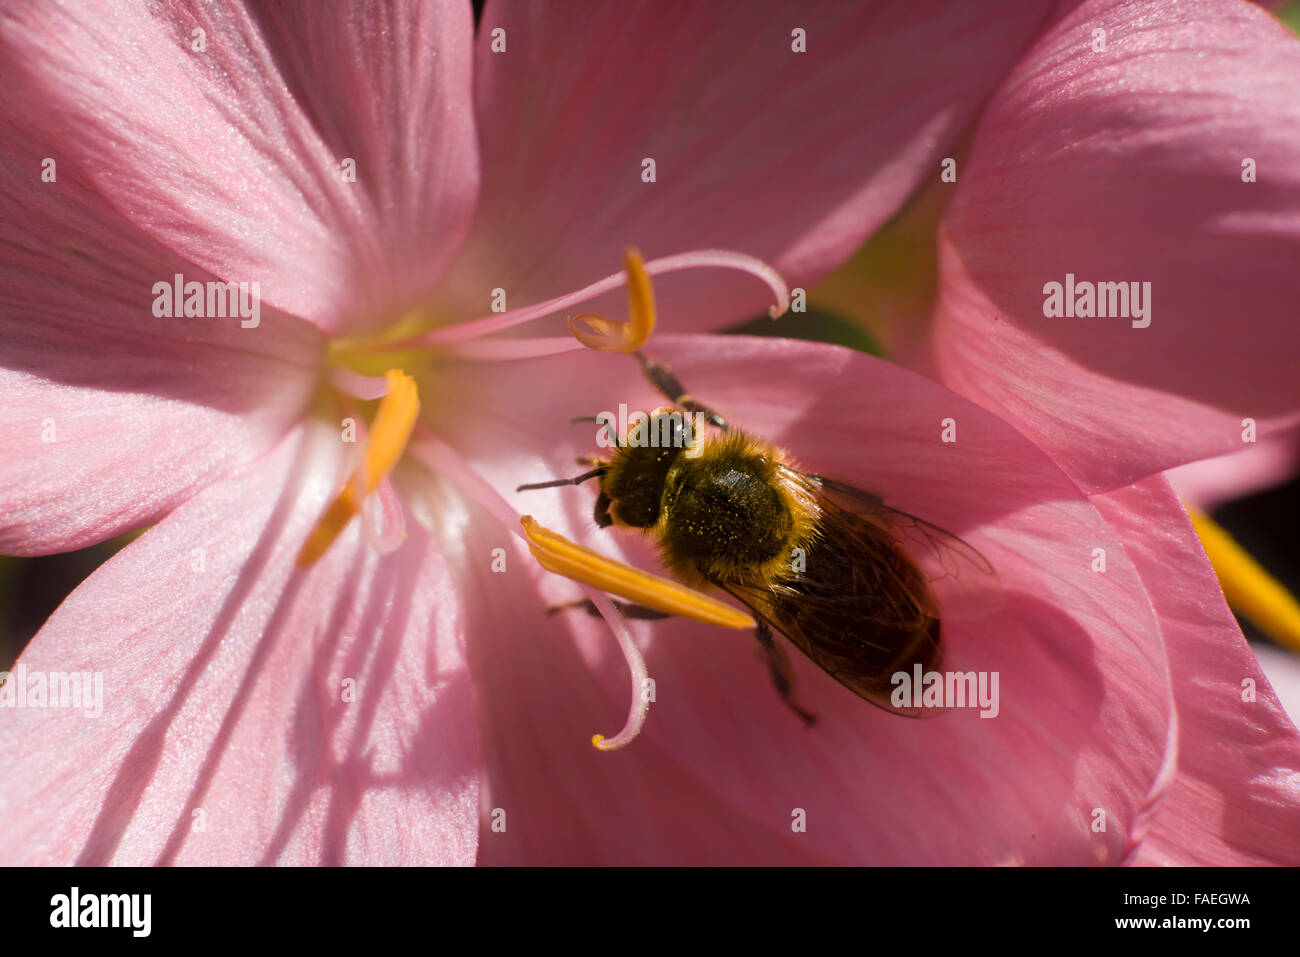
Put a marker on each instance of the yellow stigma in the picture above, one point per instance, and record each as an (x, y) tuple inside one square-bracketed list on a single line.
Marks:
[(557, 554), (388, 437), (609, 335), (1251, 591)]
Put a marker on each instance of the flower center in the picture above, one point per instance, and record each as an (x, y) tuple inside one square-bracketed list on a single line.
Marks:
[(389, 434), (355, 367), (354, 374)]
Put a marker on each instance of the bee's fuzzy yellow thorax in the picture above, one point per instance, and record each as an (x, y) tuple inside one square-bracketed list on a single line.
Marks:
[(727, 515)]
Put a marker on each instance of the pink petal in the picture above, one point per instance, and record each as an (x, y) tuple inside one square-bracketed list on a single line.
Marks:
[(1282, 668), (390, 84), (116, 460), (793, 157), (1236, 797), (113, 416), (1126, 166), (1212, 482), (1085, 707), (232, 157), (225, 735)]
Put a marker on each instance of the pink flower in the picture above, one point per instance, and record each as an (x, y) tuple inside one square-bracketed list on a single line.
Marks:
[(257, 712), (383, 704)]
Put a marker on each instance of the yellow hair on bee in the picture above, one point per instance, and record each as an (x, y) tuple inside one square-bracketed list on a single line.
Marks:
[(730, 514)]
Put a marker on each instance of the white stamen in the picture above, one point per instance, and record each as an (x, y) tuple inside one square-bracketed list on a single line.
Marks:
[(437, 455), (385, 504), (636, 712), (357, 385), (504, 350), (699, 258)]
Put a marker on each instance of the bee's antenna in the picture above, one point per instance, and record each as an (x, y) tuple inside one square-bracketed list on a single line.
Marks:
[(577, 480), (609, 429)]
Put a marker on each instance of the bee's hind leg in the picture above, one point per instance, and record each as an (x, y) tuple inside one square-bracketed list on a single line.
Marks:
[(778, 665), (662, 378)]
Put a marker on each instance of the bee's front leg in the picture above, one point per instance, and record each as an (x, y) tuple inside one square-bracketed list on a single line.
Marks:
[(600, 514), (662, 378)]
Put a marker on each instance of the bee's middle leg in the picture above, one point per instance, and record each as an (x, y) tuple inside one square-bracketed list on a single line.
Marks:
[(778, 665), (629, 610), (662, 378)]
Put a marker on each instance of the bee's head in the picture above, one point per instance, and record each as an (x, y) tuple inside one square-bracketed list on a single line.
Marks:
[(639, 469)]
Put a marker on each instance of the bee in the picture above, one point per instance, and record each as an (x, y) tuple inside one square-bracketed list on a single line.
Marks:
[(846, 579)]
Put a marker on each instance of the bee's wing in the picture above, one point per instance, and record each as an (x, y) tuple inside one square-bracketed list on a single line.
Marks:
[(963, 580), (858, 606), (851, 641)]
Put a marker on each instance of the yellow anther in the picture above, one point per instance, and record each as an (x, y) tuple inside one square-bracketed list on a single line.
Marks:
[(609, 335), (389, 434), (557, 554), (1251, 591)]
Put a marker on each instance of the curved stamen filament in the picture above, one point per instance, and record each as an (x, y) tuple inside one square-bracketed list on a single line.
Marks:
[(506, 350), (637, 671), (486, 325), (557, 554), (439, 457), (357, 385), (435, 453), (388, 437), (383, 520)]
